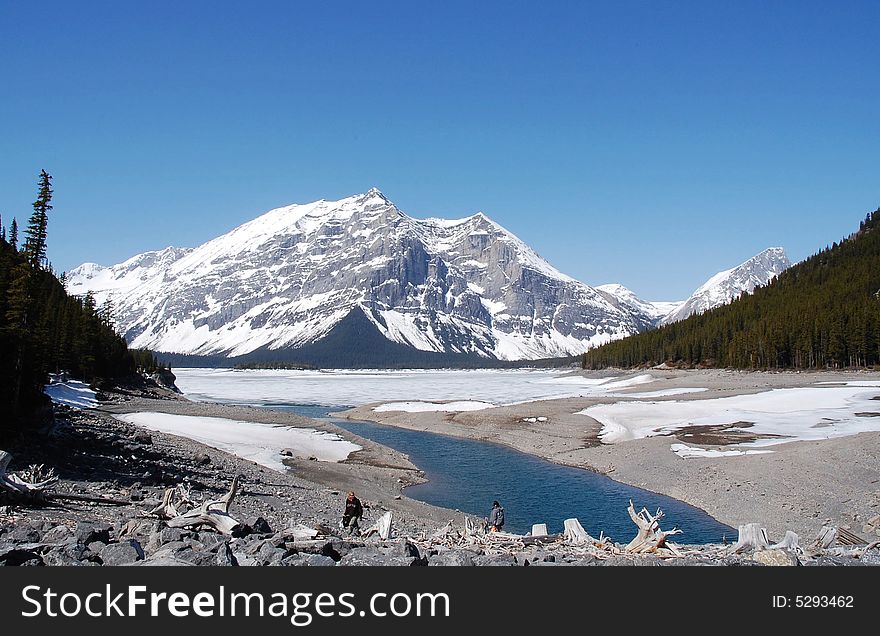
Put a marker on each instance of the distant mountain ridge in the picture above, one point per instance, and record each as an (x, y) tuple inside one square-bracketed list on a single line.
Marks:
[(730, 284), (302, 276), (823, 312)]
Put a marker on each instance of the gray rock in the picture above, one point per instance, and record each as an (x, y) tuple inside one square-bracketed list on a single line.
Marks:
[(259, 525), (201, 459), (123, 553), (834, 561), (58, 534), (370, 556), (269, 554), (871, 557), (12, 555), (87, 533), (308, 560), (407, 549), (24, 533), (495, 560), (69, 555), (164, 561), (618, 561), (224, 556), (142, 437), (454, 558), (775, 558)]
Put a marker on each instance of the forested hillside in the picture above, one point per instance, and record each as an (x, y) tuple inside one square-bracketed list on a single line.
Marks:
[(42, 328), (821, 313)]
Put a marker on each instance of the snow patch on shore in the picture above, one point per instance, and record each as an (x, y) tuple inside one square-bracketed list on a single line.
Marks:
[(797, 414), (648, 395), (72, 393), (254, 441), (685, 451), (424, 407)]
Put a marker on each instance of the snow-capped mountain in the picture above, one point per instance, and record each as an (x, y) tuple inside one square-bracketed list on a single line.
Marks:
[(647, 312), (292, 276), (727, 286)]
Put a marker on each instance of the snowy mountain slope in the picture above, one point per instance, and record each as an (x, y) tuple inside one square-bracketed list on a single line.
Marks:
[(649, 313), (730, 284), (286, 279)]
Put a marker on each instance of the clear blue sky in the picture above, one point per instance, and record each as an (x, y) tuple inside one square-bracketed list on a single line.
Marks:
[(650, 144)]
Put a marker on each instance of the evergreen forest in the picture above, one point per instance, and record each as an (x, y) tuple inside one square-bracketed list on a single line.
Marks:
[(821, 313)]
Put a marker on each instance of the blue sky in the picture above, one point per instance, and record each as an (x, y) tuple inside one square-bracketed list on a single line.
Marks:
[(646, 143)]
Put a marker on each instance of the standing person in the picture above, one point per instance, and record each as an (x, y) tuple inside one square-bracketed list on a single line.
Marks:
[(496, 517), (353, 512)]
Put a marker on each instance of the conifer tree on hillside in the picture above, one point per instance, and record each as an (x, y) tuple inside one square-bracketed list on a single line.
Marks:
[(13, 234), (35, 244)]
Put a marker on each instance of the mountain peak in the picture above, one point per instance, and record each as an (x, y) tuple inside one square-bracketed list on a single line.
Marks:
[(730, 284), (375, 193)]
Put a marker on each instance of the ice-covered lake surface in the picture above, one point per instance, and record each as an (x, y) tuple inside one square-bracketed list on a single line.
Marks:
[(354, 388)]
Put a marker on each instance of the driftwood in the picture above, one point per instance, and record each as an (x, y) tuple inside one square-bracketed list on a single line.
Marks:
[(32, 483), (751, 537), (382, 527), (650, 537), (845, 537), (539, 530), (213, 513)]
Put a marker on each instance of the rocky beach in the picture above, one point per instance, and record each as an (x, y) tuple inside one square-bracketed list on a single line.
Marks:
[(113, 473)]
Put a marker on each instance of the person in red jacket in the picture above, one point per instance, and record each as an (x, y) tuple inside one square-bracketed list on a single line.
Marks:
[(353, 512)]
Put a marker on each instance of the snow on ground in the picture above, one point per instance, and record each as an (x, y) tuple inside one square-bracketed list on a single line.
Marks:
[(649, 395), (71, 393), (355, 388), (257, 442), (809, 413), (685, 451), (446, 407)]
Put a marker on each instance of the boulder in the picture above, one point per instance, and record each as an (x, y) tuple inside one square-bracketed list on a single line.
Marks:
[(201, 459), (142, 437), (87, 533), (122, 553), (775, 558), (308, 560), (224, 556), (454, 558), (370, 556), (495, 560), (69, 555)]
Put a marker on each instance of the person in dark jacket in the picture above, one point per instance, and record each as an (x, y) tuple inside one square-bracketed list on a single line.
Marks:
[(496, 517), (353, 512)]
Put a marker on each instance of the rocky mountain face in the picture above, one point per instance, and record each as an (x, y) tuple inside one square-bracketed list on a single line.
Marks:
[(330, 276), (727, 286), (284, 281)]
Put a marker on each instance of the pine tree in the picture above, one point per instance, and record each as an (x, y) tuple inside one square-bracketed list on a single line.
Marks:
[(35, 244), (13, 234)]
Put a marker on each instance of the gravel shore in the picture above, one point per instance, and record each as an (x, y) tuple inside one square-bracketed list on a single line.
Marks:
[(800, 486), (112, 473)]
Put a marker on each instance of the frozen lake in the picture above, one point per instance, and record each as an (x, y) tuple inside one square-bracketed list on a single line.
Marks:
[(354, 388)]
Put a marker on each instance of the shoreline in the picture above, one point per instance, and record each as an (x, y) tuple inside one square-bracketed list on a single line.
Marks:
[(800, 486)]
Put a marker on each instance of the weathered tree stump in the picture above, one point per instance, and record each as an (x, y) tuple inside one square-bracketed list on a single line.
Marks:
[(32, 483), (650, 537), (575, 533), (751, 537)]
